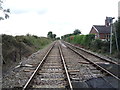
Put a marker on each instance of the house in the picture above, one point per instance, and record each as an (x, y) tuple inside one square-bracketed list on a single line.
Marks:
[(101, 31)]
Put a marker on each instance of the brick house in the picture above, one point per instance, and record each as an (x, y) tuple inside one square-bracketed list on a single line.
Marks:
[(101, 31)]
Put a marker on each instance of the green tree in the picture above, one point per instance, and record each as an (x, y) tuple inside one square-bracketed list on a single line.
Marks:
[(50, 34), (54, 36), (117, 26), (76, 32), (58, 38)]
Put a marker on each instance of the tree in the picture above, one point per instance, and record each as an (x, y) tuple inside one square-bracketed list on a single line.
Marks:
[(77, 31), (66, 36), (117, 26), (50, 34), (58, 38), (54, 36), (5, 12)]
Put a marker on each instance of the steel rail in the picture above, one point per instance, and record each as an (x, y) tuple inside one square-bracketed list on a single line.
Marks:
[(39, 65), (92, 53), (98, 66), (65, 67)]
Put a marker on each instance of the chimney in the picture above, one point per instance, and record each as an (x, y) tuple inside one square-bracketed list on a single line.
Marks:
[(107, 22)]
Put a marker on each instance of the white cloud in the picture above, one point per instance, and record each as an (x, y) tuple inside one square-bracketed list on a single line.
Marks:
[(60, 16), (24, 23)]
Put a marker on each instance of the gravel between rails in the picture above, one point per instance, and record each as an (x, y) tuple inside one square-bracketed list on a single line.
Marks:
[(96, 59), (89, 56), (52, 75), (18, 76), (79, 69)]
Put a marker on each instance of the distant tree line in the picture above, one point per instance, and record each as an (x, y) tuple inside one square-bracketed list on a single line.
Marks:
[(52, 36), (75, 32)]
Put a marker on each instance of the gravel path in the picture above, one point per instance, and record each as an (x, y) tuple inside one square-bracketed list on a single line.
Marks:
[(19, 75)]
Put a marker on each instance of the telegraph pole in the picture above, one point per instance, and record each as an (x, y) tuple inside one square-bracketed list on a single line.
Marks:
[(110, 19), (111, 39)]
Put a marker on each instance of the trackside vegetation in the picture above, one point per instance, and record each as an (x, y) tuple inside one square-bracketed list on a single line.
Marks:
[(89, 42), (14, 48)]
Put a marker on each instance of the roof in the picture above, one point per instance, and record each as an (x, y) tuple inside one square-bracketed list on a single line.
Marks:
[(102, 28)]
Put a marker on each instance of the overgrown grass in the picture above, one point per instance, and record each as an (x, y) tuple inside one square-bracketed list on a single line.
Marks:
[(37, 42), (84, 40), (96, 45), (14, 48)]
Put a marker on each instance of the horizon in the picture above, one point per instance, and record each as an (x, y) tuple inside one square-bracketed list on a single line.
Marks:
[(61, 17)]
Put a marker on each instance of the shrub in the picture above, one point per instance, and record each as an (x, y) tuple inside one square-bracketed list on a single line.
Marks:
[(27, 42), (96, 44), (15, 47)]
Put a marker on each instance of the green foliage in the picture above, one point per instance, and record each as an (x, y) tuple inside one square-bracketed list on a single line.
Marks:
[(100, 46), (8, 41), (51, 35), (54, 36), (89, 42), (81, 39), (88, 39), (96, 44), (58, 38), (65, 36), (13, 47), (76, 32), (37, 42), (78, 39), (117, 26), (35, 36), (4, 11), (26, 41)]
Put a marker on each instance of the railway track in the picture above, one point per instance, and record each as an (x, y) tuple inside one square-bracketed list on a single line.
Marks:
[(109, 67), (68, 68), (51, 71), (90, 55)]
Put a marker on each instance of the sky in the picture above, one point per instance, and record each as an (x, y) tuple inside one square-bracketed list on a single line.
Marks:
[(38, 17)]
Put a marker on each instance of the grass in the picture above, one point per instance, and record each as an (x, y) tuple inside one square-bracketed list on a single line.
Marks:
[(15, 46), (96, 45)]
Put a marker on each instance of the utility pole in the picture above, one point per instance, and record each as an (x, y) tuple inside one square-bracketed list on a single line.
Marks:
[(110, 20), (111, 39)]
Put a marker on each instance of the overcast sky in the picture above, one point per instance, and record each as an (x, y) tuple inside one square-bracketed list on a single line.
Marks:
[(38, 17)]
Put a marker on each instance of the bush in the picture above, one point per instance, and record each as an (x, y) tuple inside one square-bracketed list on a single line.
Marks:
[(96, 44), (100, 46), (88, 39), (27, 42), (14, 47), (81, 39)]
